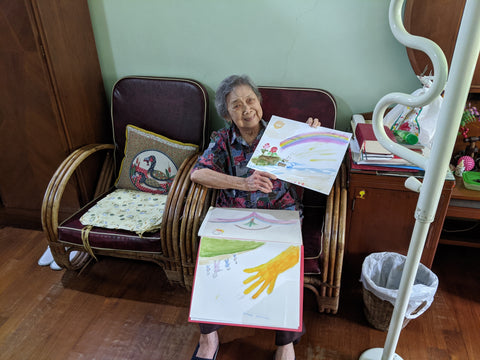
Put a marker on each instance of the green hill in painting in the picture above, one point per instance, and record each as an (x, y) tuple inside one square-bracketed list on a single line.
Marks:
[(215, 247)]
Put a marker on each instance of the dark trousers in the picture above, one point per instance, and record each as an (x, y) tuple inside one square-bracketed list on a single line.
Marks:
[(281, 337)]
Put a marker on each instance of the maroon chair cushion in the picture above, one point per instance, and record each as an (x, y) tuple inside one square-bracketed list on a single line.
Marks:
[(70, 232), (300, 104)]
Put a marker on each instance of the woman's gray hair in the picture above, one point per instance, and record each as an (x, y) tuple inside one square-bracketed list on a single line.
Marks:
[(227, 86)]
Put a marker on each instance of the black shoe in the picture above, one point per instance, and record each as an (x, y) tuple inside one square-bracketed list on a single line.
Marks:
[(195, 357)]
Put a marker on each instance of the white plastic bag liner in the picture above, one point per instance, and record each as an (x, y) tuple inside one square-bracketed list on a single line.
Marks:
[(421, 121), (381, 274)]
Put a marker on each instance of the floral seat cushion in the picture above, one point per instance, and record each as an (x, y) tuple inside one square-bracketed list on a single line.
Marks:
[(125, 209)]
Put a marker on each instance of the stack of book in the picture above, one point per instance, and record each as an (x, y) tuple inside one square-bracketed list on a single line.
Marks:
[(368, 154)]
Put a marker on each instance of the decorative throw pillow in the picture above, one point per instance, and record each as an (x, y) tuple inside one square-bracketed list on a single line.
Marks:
[(151, 161), (127, 210)]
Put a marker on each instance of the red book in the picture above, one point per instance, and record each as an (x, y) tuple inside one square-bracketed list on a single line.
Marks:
[(367, 140)]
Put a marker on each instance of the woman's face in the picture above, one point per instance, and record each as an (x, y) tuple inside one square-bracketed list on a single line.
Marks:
[(244, 108)]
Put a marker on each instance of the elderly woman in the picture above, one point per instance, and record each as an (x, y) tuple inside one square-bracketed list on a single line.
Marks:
[(223, 166)]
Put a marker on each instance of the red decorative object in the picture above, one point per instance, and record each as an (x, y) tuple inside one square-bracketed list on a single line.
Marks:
[(468, 162), (464, 130)]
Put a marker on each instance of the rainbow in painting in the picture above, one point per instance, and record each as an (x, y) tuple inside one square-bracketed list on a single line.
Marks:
[(253, 215), (317, 137)]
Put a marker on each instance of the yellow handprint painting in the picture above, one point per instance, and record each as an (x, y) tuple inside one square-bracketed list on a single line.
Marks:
[(266, 274)]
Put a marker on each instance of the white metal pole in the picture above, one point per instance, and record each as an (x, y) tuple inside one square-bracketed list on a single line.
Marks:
[(463, 66)]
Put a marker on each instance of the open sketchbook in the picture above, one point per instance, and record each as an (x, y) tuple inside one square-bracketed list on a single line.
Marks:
[(300, 154), (249, 269)]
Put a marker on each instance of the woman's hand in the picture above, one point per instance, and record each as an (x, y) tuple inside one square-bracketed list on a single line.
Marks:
[(313, 122), (260, 180)]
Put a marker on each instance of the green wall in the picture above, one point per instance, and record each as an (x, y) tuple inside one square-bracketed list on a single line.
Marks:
[(343, 46)]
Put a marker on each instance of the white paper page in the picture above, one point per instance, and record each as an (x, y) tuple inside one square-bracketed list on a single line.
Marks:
[(219, 292), (300, 154), (253, 224)]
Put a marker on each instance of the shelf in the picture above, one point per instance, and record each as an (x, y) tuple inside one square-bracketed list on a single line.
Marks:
[(461, 232)]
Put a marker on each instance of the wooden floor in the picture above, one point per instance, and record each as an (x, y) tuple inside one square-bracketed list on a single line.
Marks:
[(123, 309)]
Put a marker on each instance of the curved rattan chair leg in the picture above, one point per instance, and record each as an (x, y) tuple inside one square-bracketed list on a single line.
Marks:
[(172, 221), (166, 229), (203, 204), (198, 200), (198, 215), (334, 238), (63, 258), (80, 259), (341, 226), (49, 220), (52, 201), (181, 216), (325, 304), (184, 237), (326, 286), (48, 216), (60, 255), (331, 286), (327, 235), (315, 291), (188, 259)]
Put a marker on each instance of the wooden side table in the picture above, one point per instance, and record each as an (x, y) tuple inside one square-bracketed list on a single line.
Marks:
[(380, 216), (463, 214)]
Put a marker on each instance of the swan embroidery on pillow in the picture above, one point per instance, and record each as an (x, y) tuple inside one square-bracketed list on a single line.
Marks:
[(152, 175), (151, 161)]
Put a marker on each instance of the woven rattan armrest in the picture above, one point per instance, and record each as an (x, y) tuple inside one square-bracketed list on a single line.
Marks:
[(53, 196), (326, 286)]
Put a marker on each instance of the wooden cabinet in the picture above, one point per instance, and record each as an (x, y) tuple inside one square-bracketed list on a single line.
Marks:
[(380, 217), (462, 223), (437, 20), (52, 101)]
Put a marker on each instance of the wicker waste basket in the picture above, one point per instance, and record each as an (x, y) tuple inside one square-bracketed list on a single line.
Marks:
[(381, 275)]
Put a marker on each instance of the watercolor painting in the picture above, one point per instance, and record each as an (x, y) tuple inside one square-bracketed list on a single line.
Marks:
[(302, 155), (252, 224), (245, 282)]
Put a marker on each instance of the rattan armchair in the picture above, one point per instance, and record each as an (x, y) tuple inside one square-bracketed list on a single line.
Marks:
[(324, 221), (175, 108)]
